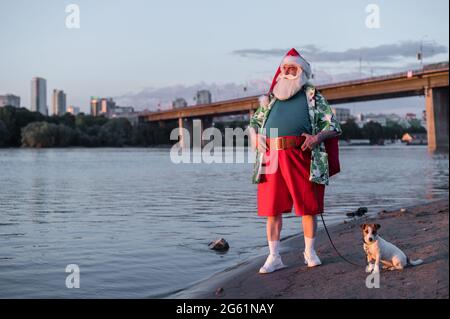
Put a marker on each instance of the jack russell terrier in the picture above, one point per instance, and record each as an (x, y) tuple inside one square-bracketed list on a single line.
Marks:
[(379, 250)]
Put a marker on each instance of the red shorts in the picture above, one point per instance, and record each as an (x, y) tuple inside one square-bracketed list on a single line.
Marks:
[(288, 184)]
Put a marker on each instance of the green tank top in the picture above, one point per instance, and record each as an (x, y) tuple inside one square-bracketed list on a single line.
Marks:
[(290, 117)]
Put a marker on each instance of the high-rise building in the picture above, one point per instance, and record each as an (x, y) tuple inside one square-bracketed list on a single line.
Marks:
[(9, 99), (95, 106), (73, 110), (59, 102), (107, 106), (102, 106), (203, 97), (179, 102), (39, 95)]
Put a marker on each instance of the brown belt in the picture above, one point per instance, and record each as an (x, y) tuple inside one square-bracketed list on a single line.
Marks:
[(284, 143)]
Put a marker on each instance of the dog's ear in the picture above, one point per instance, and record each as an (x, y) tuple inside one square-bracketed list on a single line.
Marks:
[(377, 226), (362, 226)]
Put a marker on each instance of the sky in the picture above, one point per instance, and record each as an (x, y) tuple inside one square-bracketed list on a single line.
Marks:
[(146, 53)]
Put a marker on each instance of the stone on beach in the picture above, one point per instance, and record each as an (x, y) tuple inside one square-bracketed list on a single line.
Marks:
[(361, 211), (219, 244)]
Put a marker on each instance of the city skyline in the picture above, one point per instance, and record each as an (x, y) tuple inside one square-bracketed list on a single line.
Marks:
[(106, 105), (202, 97)]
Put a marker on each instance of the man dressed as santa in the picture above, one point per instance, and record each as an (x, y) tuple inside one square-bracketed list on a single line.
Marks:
[(294, 132)]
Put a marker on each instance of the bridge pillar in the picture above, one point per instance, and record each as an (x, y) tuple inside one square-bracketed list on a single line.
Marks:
[(195, 130), (206, 122), (198, 125), (184, 123), (437, 110), (180, 131)]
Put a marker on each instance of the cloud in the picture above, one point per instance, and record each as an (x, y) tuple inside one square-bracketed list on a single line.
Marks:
[(150, 98), (381, 53), (154, 98), (334, 74), (379, 60)]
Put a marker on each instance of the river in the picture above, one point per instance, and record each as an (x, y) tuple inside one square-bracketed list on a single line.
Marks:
[(138, 225)]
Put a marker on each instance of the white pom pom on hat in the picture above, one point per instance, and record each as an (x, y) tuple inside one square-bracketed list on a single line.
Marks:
[(264, 100)]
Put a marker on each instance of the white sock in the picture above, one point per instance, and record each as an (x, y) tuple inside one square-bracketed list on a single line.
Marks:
[(273, 248), (309, 245)]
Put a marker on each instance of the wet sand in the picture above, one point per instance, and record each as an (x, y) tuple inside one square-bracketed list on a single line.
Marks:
[(420, 231)]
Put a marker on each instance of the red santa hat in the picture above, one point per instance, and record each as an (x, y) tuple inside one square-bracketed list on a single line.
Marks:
[(292, 57)]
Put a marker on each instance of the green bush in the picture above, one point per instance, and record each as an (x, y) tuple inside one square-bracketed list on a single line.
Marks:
[(39, 134), (19, 126), (44, 134), (3, 134), (116, 132), (373, 132), (350, 130), (16, 118)]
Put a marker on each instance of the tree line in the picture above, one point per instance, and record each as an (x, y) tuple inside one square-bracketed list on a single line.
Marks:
[(372, 131), (21, 127), (375, 132)]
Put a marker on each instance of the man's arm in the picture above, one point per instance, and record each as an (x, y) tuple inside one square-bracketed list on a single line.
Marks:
[(327, 119), (324, 135), (312, 141), (257, 141), (328, 125)]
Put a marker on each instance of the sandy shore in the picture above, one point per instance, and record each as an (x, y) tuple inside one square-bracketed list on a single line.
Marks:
[(421, 232)]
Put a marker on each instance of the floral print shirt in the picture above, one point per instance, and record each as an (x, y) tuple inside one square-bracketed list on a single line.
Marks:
[(322, 119)]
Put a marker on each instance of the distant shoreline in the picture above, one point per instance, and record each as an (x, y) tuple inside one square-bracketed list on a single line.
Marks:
[(170, 145)]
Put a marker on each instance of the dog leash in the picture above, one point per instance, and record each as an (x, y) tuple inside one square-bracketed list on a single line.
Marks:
[(329, 236), (332, 244)]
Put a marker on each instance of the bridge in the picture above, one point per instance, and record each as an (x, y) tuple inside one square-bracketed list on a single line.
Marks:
[(431, 81)]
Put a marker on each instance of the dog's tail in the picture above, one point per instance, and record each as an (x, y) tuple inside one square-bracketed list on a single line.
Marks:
[(414, 262)]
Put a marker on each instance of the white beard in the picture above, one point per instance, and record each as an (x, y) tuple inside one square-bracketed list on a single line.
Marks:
[(287, 86)]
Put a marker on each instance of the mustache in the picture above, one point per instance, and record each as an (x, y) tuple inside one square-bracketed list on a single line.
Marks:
[(289, 76)]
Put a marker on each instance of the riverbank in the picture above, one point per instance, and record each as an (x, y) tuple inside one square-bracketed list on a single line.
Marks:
[(421, 232)]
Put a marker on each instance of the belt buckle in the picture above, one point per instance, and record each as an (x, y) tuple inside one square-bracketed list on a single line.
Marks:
[(280, 143)]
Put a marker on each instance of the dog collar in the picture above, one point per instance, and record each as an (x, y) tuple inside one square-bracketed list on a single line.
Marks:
[(369, 244)]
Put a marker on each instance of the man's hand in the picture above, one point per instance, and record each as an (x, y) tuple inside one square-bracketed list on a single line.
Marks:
[(253, 138), (310, 142), (258, 141), (262, 143)]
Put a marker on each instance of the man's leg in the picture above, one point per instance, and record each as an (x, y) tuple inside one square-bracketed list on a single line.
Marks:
[(273, 199), (309, 233), (274, 225), (309, 226), (273, 228), (307, 197)]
